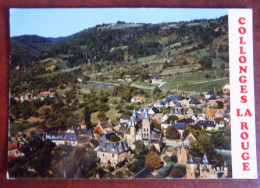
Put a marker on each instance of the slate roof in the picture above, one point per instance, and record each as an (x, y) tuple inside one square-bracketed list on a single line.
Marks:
[(166, 122), (156, 110), (212, 98), (180, 112), (106, 137), (206, 123), (187, 120), (145, 114), (157, 77), (194, 101), (210, 93), (89, 133), (203, 160), (143, 109), (125, 117), (178, 104), (179, 126), (174, 97), (155, 134), (62, 136), (172, 111), (193, 160), (123, 127), (114, 147), (95, 143)]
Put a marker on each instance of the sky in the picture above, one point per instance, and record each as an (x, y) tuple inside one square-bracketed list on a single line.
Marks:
[(61, 22)]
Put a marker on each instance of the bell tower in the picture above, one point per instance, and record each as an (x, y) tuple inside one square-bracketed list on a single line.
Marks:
[(146, 125)]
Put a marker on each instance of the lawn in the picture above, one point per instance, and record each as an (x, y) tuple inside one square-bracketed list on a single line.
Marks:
[(217, 63), (144, 84), (112, 114), (200, 53), (185, 81), (175, 70), (24, 126), (203, 87), (147, 58), (86, 88), (177, 44)]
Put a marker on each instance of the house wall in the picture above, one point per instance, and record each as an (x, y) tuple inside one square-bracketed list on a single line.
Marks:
[(190, 171), (114, 159)]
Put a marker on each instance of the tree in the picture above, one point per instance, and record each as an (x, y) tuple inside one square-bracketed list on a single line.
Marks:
[(102, 116), (206, 62), (172, 133), (172, 118), (153, 161), (203, 145), (154, 124), (103, 107), (87, 116), (38, 156), (185, 62), (186, 132), (114, 138), (43, 111), (140, 150)]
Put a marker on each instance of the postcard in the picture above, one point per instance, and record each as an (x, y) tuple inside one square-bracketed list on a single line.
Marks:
[(132, 93)]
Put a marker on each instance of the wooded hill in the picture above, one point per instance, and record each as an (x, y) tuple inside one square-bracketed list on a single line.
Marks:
[(113, 51), (110, 41)]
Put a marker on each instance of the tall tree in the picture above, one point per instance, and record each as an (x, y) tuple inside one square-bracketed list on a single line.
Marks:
[(172, 133), (153, 161), (87, 116)]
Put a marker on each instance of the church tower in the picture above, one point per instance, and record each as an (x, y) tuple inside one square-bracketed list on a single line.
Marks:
[(146, 125), (132, 129)]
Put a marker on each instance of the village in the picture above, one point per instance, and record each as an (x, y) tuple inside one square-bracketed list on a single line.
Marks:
[(122, 100), (169, 136)]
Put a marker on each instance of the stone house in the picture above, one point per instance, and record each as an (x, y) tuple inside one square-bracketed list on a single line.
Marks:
[(111, 153)]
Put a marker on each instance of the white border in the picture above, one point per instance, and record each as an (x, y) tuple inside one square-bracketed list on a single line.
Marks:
[(235, 93)]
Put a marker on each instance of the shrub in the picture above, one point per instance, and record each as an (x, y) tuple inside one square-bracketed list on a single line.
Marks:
[(164, 172), (121, 163), (111, 169), (172, 158), (119, 174)]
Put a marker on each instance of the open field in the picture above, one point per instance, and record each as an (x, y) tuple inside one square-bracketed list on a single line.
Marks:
[(147, 58), (205, 86), (24, 126), (200, 53), (86, 88), (185, 80), (112, 114), (175, 70), (217, 63)]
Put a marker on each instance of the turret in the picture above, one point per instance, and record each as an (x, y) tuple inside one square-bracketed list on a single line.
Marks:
[(134, 116), (205, 159), (191, 168), (146, 116)]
